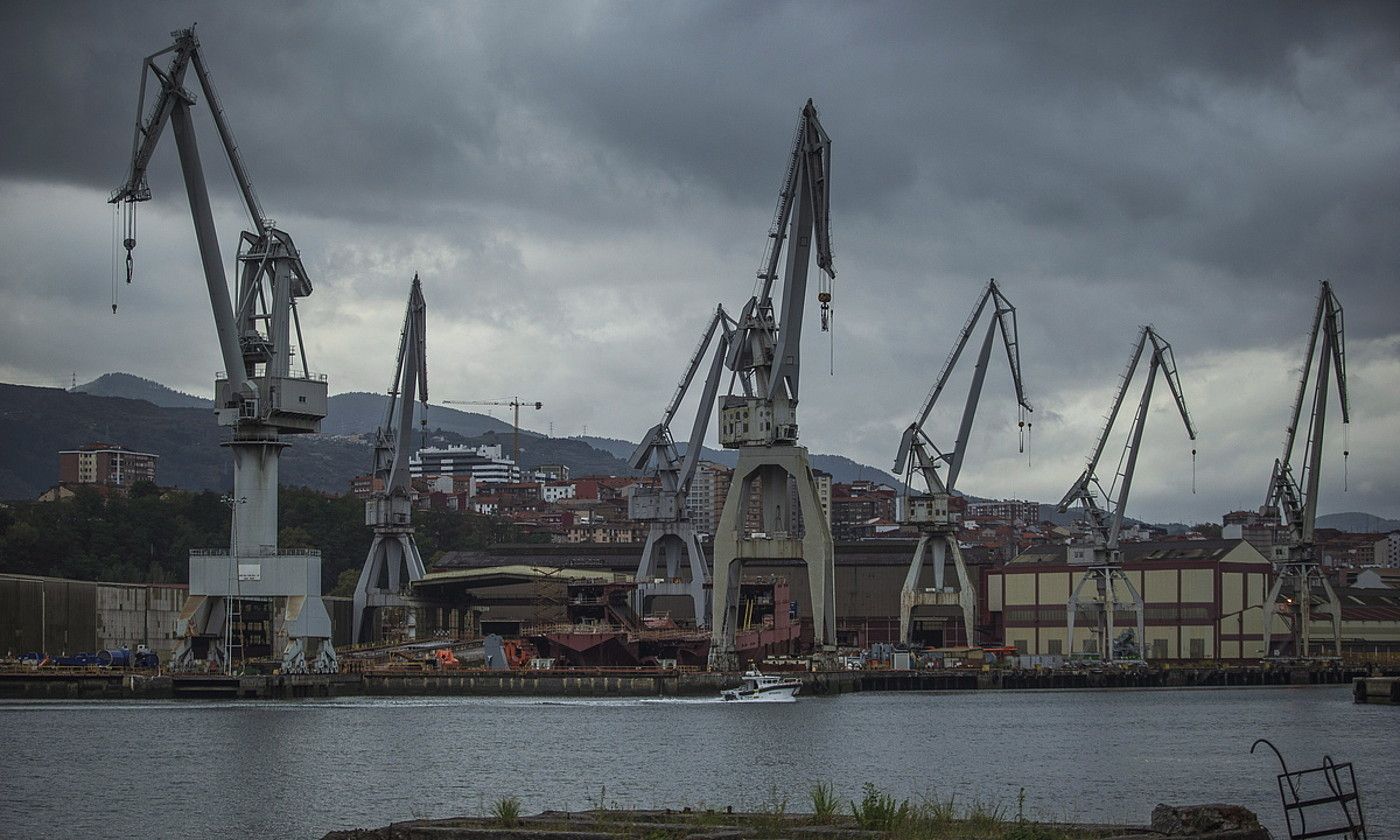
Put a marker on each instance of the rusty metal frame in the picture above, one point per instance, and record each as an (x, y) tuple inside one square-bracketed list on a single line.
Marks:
[(1340, 780)]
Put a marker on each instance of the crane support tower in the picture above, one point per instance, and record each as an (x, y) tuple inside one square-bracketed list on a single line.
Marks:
[(930, 510), (1101, 556), (1296, 560), (670, 533), (761, 420), (260, 394), (393, 563)]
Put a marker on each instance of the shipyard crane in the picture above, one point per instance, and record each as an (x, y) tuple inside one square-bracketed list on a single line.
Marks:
[(761, 420), (1296, 559), (514, 404), (1102, 555), (670, 532), (930, 510), (393, 562), (260, 395)]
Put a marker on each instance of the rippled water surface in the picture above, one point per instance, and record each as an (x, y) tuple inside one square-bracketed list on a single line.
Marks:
[(300, 769)]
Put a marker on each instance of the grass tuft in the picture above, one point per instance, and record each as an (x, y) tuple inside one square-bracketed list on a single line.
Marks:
[(825, 806), (506, 811)]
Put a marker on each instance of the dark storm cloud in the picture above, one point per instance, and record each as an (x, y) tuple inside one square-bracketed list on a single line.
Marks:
[(577, 179)]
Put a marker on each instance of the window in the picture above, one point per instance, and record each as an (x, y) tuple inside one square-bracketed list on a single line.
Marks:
[(1054, 647), (1091, 646), (1022, 646), (1159, 648), (1198, 648)]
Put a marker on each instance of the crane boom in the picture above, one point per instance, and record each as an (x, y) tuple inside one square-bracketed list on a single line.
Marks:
[(1298, 506), (768, 352), (1106, 524), (1005, 320), (410, 384), (657, 447)]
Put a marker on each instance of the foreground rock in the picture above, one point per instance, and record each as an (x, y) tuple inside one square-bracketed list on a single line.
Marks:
[(1222, 821), (1201, 822)]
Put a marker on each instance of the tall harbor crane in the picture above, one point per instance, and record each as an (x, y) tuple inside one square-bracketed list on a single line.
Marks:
[(761, 420), (260, 394), (1297, 562), (930, 510), (514, 404), (670, 532), (393, 562), (1102, 555)]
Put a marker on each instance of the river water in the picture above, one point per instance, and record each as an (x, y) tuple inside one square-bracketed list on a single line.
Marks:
[(301, 768)]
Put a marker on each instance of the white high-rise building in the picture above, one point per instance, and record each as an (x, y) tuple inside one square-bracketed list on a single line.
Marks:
[(485, 463)]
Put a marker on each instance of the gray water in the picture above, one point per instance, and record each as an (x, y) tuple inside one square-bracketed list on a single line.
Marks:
[(302, 768)]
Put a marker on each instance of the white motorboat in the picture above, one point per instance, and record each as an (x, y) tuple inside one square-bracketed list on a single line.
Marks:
[(761, 688)]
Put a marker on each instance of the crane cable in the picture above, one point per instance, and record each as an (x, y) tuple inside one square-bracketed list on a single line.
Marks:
[(1346, 452), (116, 209)]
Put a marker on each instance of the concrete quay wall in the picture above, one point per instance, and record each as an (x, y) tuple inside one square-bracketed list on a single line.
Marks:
[(96, 684)]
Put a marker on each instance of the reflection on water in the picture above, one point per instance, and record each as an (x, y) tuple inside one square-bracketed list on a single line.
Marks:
[(301, 768)]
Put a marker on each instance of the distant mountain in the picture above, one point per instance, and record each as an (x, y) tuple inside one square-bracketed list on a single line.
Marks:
[(1358, 523), (137, 388), (842, 469), (36, 423), (357, 412)]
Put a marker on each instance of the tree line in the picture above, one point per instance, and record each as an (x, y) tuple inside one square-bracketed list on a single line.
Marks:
[(146, 536)]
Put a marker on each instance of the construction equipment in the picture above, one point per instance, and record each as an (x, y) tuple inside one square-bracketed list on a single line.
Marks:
[(663, 506), (761, 421), (259, 394), (1101, 554), (393, 563), (1297, 561), (930, 510), (515, 404)]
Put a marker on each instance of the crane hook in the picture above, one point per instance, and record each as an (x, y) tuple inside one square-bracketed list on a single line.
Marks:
[(129, 228)]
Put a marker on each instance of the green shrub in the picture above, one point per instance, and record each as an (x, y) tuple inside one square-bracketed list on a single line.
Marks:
[(507, 811), (879, 811), (824, 803)]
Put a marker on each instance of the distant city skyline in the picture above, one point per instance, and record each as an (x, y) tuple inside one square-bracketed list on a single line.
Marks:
[(578, 189)]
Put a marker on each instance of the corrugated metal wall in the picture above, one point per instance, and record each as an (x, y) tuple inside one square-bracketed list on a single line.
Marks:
[(47, 613)]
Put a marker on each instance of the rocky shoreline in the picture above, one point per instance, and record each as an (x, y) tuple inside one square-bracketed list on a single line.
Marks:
[(1198, 822)]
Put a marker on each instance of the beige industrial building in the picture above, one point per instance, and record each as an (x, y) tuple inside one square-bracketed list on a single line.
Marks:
[(1203, 600)]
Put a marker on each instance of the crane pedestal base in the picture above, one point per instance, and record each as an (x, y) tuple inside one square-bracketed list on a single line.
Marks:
[(1107, 579), (219, 583), (773, 471), (658, 573), (1301, 576), (911, 596), (392, 565)]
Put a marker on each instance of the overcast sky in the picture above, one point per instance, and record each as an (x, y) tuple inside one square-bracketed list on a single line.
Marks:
[(578, 184)]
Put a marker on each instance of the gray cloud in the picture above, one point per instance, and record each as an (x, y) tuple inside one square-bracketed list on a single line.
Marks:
[(578, 185)]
